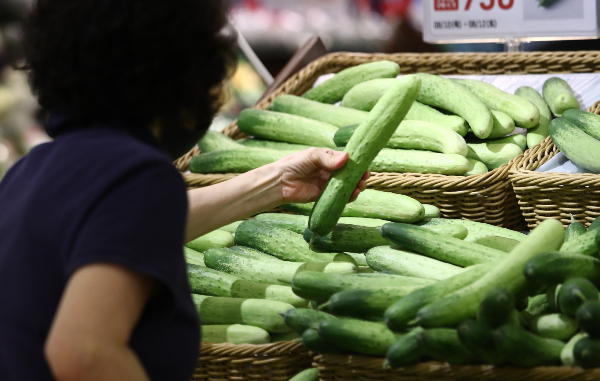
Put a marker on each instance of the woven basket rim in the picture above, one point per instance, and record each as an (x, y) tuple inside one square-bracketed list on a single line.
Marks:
[(283, 347)]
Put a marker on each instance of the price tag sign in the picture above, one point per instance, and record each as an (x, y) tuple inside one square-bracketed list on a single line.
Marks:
[(448, 21)]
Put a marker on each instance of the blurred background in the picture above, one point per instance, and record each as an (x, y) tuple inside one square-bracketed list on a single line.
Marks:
[(275, 29)]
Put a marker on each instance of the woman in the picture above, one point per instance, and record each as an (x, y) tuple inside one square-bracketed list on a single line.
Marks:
[(92, 275)]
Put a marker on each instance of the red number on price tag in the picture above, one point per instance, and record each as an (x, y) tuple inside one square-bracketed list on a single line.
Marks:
[(503, 4)]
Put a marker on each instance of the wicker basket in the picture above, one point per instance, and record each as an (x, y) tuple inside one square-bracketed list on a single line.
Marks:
[(554, 195), (485, 198), (268, 362), (362, 368)]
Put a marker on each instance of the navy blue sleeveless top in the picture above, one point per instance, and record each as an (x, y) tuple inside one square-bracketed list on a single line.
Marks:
[(100, 192)]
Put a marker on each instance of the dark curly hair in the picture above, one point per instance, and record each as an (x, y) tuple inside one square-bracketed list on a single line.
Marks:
[(138, 60)]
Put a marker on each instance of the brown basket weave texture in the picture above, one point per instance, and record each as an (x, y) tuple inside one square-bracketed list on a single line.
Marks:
[(485, 198), (554, 195), (268, 362), (362, 368)]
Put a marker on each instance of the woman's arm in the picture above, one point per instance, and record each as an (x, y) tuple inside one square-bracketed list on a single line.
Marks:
[(89, 337), (298, 177)]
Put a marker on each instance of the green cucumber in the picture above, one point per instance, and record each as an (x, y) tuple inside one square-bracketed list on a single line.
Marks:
[(573, 293), (314, 343), (503, 125), (443, 248), (497, 307), (579, 147), (476, 229), (526, 349), (265, 314), (347, 238), (311, 374), (403, 312), (524, 113), (358, 336), (443, 344), (444, 93), (234, 334), (405, 351), (567, 356), (588, 122), (419, 111), (477, 337), (231, 228), (559, 96), (498, 243), (456, 231), (396, 261), (594, 225), (217, 141), (301, 319), (254, 254), (413, 161), (431, 211), (584, 244), (194, 257), (463, 304), (588, 318), (370, 137), (272, 145), (476, 168), (287, 128), (517, 139), (586, 352), (289, 336), (554, 326), (319, 286), (493, 155), (337, 116), (334, 89), (538, 133), (363, 304), (292, 222), (554, 268), (234, 160), (575, 229), (214, 239)]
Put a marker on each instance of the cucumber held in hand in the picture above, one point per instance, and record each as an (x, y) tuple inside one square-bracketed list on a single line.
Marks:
[(588, 122), (337, 116), (366, 142), (579, 147), (334, 89), (444, 93), (559, 96), (538, 133)]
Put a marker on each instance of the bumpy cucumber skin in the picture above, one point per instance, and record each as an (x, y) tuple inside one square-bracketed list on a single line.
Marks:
[(538, 133), (364, 96), (314, 343), (584, 244), (211, 282), (442, 92), (496, 307), (301, 319), (476, 229), (525, 349), (366, 142), (574, 230), (293, 222), (234, 161), (588, 122), (476, 168), (443, 344), (503, 125), (311, 374), (289, 128), (456, 231), (559, 96), (272, 145), (523, 112), (234, 334), (498, 243), (462, 304), (586, 352), (358, 336), (554, 326), (413, 161), (363, 304), (478, 338), (216, 141), (253, 253), (336, 116), (405, 351), (334, 89), (347, 238), (588, 316), (578, 146), (214, 239), (493, 154)]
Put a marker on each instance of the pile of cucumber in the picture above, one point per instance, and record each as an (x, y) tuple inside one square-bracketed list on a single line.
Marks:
[(451, 127)]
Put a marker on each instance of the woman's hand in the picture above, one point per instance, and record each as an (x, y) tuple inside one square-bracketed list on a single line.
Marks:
[(303, 175)]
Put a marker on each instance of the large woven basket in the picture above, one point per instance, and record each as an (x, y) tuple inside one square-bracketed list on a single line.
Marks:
[(554, 195), (362, 368), (268, 362), (485, 198)]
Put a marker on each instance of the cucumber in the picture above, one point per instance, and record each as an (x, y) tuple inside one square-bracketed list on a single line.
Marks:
[(503, 125), (348, 238), (586, 352), (524, 113), (301, 319), (415, 134), (431, 211), (456, 231), (292, 222), (552, 296), (363, 304), (319, 286), (334, 89), (268, 144), (594, 225), (217, 141), (288, 336), (497, 307), (574, 230), (443, 248), (443, 344), (413, 161), (314, 343), (405, 351), (573, 293), (588, 122), (370, 137), (525, 349), (364, 269), (234, 334), (493, 155), (498, 243), (234, 160), (287, 128), (588, 318), (270, 272), (337, 116), (584, 244), (567, 357), (231, 228), (463, 304), (517, 139), (477, 337), (579, 147), (254, 254), (554, 326), (400, 262), (311, 374), (265, 314), (403, 312), (444, 93), (476, 229), (559, 96), (364, 221), (194, 257), (214, 239), (358, 336), (476, 168), (538, 133), (419, 111)]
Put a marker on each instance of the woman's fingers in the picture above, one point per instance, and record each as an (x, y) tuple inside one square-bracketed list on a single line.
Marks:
[(328, 159), (366, 176)]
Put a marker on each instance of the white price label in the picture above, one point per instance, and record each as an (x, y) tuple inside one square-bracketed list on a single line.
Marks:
[(446, 21)]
